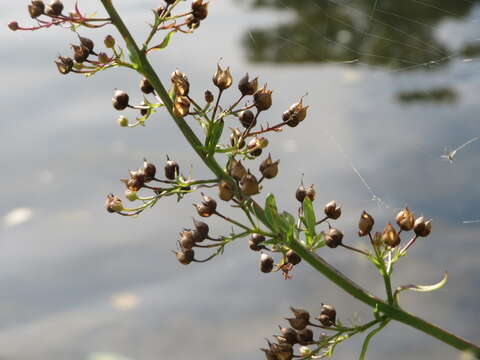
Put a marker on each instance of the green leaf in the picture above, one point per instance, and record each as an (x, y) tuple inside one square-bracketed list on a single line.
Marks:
[(289, 218), (215, 134), (421, 288), (271, 211), (309, 216), (165, 41), (260, 214)]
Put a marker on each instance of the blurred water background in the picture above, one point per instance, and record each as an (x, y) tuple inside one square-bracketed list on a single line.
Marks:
[(390, 85)]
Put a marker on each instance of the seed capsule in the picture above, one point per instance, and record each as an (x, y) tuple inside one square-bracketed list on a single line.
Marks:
[(55, 8), (13, 25), (192, 22), (181, 106), (88, 43), (201, 229), (405, 220), (103, 58), (120, 100), (255, 241), (113, 204), (293, 258), (209, 96), (80, 53), (249, 184), (290, 335), (64, 65), (222, 79), (268, 168), (236, 169), (225, 191), (146, 86), (300, 313), (297, 323), (266, 263), (149, 170), (365, 224), (236, 138), (181, 85), (247, 118), (422, 228), (187, 239), (263, 98), (311, 192), (185, 256), (171, 169), (199, 9), (301, 193), (305, 336), (390, 236), (247, 87), (109, 41), (328, 315), (332, 211), (36, 8), (333, 238)]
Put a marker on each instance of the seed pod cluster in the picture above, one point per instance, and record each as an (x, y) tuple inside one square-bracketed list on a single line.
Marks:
[(199, 13)]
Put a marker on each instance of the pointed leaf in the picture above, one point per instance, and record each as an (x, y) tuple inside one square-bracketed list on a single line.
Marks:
[(271, 210), (421, 288), (309, 216), (216, 133), (165, 41)]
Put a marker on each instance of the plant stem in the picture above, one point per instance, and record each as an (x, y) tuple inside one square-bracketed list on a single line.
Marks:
[(314, 260)]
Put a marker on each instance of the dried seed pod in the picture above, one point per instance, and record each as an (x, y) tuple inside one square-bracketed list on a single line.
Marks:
[(185, 256), (236, 169), (297, 323), (255, 241), (295, 114), (64, 65), (292, 257), (109, 41), (210, 203), (247, 118), (113, 204), (365, 224), (422, 228), (146, 86), (88, 43), (171, 169), (300, 313), (268, 168), (225, 191), (290, 335), (181, 106), (201, 229), (236, 138), (301, 193), (192, 22), (311, 192), (333, 238), (263, 98), (187, 239), (36, 8), (149, 170), (209, 96), (405, 220), (103, 58), (249, 184), (390, 236), (332, 211), (55, 8), (13, 25), (248, 87), (305, 336), (328, 315), (199, 9), (120, 100), (266, 263), (222, 79), (181, 85), (80, 53)]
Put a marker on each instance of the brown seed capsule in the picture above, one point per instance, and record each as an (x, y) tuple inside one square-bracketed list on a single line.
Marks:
[(209, 202), (225, 191), (405, 220), (36, 8), (113, 204), (80, 53), (300, 313), (171, 169), (263, 98), (296, 114), (293, 258), (55, 8), (88, 43), (255, 241), (268, 168), (201, 229), (249, 184), (328, 314), (222, 79), (13, 25), (199, 9), (103, 58), (181, 85), (192, 22), (422, 228), (301, 193), (365, 224), (146, 86), (332, 211), (109, 41), (181, 106), (185, 256), (390, 236), (149, 170), (247, 118), (311, 192), (187, 239), (290, 335), (236, 169), (209, 96), (120, 100), (297, 323), (64, 65), (333, 238), (266, 263), (246, 86), (236, 138), (305, 336)]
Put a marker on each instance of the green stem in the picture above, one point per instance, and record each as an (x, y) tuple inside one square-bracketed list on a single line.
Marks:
[(314, 260), (369, 337)]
